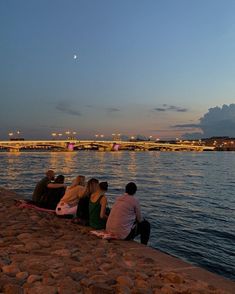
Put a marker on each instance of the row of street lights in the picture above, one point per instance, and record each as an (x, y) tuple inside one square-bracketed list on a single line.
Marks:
[(115, 136), (68, 134), (72, 135), (15, 134)]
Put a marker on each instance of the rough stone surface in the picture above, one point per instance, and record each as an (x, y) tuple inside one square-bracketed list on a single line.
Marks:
[(125, 281), (41, 289), (22, 275), (10, 269), (43, 254), (33, 278), (12, 289)]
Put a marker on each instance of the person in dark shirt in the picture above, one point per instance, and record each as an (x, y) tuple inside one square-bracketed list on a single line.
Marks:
[(43, 186), (53, 195)]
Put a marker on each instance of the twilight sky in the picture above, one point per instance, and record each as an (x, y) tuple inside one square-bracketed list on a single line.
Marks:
[(156, 67)]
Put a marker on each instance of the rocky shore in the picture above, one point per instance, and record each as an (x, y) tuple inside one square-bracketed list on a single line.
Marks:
[(43, 254)]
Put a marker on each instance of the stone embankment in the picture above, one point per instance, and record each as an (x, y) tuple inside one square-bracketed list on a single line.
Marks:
[(42, 254)]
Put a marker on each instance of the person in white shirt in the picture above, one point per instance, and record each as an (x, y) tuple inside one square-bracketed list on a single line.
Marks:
[(69, 202), (125, 220)]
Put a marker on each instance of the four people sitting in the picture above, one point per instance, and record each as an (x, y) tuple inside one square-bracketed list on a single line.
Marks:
[(88, 203)]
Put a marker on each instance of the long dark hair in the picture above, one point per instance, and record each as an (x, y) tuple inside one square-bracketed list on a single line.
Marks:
[(91, 187)]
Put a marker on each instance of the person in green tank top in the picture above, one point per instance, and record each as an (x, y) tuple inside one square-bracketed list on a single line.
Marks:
[(97, 207)]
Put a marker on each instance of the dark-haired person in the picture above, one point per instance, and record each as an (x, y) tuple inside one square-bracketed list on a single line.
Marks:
[(97, 207), (53, 195), (83, 204), (125, 220), (43, 186)]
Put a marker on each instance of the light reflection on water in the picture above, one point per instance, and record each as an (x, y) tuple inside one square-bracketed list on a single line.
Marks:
[(188, 197)]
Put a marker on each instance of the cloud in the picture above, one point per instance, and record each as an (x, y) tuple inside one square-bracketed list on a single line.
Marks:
[(186, 126), (112, 109), (166, 107), (182, 110), (159, 109), (66, 108), (218, 121)]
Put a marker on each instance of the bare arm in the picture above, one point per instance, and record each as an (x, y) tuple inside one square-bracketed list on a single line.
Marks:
[(103, 203)]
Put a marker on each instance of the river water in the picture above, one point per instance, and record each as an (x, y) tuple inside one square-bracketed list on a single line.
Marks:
[(189, 197)]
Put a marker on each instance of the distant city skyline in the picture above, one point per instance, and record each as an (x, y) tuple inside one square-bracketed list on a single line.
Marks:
[(159, 68)]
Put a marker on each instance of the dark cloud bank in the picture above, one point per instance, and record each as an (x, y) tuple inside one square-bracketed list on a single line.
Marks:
[(216, 122), (65, 107), (112, 109), (166, 108)]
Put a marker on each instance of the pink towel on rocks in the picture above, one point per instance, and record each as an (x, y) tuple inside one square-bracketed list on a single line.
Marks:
[(104, 234), (25, 204)]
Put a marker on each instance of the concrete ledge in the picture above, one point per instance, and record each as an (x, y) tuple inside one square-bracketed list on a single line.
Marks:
[(168, 263)]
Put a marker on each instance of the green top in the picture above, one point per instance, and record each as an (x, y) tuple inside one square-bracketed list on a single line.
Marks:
[(94, 215)]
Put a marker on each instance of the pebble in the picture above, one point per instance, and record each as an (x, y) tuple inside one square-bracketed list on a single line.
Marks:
[(22, 275), (12, 289), (68, 286), (33, 278), (11, 269), (101, 288), (125, 281), (41, 289), (62, 252)]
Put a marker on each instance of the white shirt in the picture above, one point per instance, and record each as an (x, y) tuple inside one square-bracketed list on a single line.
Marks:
[(72, 195)]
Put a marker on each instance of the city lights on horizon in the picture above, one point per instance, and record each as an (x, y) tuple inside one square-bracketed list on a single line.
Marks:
[(72, 134), (98, 134)]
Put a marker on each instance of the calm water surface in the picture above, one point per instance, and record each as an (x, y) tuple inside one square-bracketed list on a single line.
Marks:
[(188, 197)]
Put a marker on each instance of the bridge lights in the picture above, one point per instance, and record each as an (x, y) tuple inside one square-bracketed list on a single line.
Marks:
[(116, 137), (71, 135), (54, 135), (67, 133), (97, 136), (14, 135)]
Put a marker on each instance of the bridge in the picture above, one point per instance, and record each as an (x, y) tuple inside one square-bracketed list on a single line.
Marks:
[(72, 145)]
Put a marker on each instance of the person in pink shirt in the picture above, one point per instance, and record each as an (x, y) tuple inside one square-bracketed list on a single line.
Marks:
[(125, 220)]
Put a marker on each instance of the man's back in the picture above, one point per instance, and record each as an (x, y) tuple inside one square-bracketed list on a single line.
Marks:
[(124, 212), (40, 189)]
